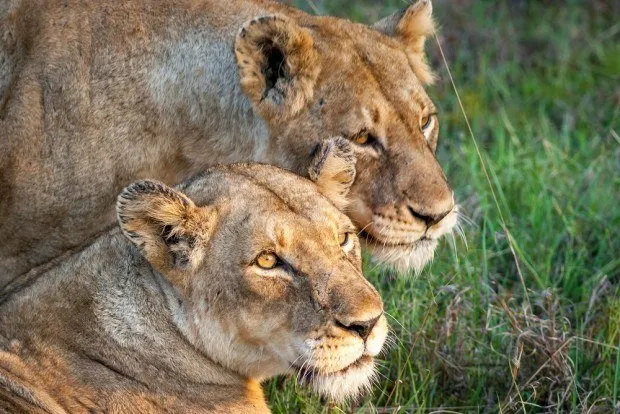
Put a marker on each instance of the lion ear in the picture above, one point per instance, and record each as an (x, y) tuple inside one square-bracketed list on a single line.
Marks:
[(333, 169), (168, 228), (278, 66), (412, 26)]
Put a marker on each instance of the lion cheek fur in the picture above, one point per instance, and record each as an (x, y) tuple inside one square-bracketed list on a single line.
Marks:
[(230, 345)]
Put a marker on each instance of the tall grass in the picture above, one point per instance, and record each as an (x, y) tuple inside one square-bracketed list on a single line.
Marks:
[(475, 332)]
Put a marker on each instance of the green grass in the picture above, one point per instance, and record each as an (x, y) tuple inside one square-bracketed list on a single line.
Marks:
[(540, 84)]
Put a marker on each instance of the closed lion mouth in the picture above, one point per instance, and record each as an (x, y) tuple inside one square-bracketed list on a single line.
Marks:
[(308, 374), (373, 239)]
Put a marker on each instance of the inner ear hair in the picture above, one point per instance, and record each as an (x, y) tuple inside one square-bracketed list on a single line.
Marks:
[(179, 245), (275, 66), (333, 169)]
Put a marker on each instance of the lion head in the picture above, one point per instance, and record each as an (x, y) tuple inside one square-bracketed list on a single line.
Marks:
[(267, 271), (316, 77)]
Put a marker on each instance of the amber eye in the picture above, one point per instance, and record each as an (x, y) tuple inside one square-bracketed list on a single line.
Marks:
[(362, 139), (367, 140), (343, 239), (425, 122), (267, 260)]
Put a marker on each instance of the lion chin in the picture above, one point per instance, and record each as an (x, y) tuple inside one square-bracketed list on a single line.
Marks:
[(404, 258), (350, 382)]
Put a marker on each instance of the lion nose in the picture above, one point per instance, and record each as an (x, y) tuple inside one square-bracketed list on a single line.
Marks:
[(362, 328), (429, 219)]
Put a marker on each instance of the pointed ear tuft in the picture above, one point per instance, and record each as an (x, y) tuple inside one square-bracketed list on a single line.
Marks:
[(412, 26), (333, 169), (278, 66), (166, 226)]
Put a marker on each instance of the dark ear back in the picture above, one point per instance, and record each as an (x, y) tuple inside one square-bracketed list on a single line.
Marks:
[(278, 66), (166, 225), (333, 169), (412, 26)]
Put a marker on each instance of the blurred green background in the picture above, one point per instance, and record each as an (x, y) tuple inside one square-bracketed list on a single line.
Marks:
[(539, 81)]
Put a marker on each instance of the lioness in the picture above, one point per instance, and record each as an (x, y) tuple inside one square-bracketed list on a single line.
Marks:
[(201, 297), (97, 94)]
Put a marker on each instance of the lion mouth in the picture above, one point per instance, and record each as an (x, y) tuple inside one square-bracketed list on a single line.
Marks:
[(308, 374), (373, 239)]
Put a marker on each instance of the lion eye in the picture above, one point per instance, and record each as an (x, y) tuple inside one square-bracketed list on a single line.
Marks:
[(267, 260), (346, 241), (425, 122), (366, 139), (362, 139)]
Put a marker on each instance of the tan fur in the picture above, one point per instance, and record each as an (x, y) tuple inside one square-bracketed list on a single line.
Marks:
[(124, 327), (333, 169), (97, 94)]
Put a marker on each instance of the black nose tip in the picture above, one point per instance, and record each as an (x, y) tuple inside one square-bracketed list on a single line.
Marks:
[(429, 219), (362, 328)]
